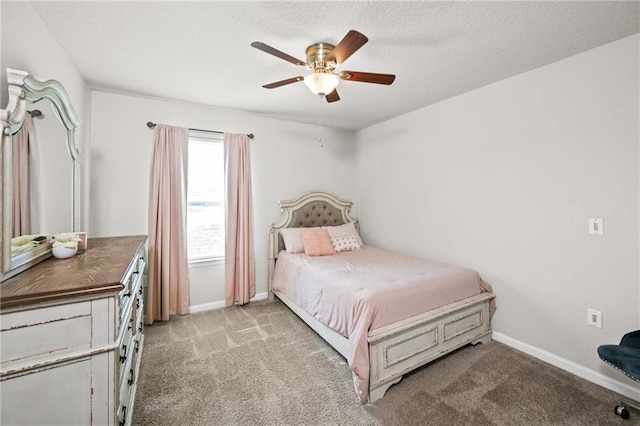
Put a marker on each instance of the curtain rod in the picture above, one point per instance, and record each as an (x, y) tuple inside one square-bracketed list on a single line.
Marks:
[(151, 125)]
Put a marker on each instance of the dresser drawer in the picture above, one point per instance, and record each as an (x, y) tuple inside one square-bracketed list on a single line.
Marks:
[(129, 370), (140, 312), (128, 292), (123, 355), (128, 379), (44, 333), (132, 329), (132, 288)]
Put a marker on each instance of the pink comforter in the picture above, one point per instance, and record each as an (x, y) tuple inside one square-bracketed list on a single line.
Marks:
[(357, 291)]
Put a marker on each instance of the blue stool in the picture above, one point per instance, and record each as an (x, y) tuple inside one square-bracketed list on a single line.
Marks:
[(624, 357)]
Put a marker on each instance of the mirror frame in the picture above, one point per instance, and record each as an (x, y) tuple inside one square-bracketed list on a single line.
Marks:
[(24, 88)]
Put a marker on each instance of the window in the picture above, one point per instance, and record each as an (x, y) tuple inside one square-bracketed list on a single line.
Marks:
[(205, 197)]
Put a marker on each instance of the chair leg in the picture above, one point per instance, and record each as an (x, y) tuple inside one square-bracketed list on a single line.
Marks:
[(622, 409)]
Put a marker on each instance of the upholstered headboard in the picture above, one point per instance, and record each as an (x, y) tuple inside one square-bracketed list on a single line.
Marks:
[(315, 208)]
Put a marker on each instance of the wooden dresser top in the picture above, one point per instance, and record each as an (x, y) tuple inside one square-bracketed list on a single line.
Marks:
[(100, 269)]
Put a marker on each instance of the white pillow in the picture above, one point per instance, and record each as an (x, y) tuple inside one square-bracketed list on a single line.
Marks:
[(346, 230), (292, 240), (347, 243)]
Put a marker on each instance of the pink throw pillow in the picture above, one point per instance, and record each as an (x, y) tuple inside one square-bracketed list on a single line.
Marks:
[(317, 242)]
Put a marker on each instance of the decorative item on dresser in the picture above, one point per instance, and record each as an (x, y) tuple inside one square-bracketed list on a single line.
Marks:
[(72, 336)]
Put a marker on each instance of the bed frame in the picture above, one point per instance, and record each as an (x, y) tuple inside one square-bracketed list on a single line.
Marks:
[(398, 348)]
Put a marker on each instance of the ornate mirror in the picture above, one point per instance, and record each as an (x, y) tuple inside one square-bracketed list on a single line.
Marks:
[(40, 179)]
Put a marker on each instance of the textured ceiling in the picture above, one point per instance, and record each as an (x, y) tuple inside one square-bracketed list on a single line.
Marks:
[(200, 51)]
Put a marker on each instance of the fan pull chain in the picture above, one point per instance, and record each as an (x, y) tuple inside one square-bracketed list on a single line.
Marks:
[(320, 122)]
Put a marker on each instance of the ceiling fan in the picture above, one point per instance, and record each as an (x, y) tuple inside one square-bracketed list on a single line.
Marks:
[(322, 60)]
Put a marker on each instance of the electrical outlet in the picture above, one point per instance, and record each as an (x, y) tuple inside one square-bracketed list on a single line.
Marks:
[(594, 318)]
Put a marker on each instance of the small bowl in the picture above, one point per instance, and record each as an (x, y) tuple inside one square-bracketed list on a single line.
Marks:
[(62, 252)]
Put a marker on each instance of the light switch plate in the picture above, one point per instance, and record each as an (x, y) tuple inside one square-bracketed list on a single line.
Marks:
[(596, 226)]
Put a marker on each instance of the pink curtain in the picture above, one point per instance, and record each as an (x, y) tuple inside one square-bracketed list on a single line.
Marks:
[(21, 175), (240, 278), (168, 289)]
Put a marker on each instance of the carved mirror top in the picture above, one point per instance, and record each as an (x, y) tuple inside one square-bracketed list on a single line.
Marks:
[(23, 90)]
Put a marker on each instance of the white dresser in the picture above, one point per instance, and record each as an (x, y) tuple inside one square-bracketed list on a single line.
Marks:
[(71, 336)]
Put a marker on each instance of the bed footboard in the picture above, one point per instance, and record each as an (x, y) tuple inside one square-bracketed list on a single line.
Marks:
[(398, 349)]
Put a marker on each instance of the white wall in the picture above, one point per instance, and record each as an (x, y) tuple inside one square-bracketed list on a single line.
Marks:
[(27, 45), (503, 179), (286, 162)]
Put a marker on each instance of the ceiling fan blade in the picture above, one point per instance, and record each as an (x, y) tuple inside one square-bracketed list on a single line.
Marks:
[(283, 82), (367, 77), (333, 96), (275, 52), (348, 45)]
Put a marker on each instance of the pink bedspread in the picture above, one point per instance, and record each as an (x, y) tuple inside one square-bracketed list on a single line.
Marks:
[(357, 291)]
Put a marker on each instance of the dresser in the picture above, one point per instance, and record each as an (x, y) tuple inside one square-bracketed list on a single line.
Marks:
[(71, 337)]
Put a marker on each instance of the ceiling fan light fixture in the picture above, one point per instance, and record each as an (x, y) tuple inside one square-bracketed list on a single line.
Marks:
[(322, 60), (321, 83)]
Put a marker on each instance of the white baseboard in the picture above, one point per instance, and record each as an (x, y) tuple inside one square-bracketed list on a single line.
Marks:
[(220, 304), (571, 367)]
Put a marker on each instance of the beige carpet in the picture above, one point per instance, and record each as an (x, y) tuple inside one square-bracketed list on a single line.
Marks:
[(261, 365)]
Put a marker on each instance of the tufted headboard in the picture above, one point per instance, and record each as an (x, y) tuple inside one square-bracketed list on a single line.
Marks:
[(315, 208)]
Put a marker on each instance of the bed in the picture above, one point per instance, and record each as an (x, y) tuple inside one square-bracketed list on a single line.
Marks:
[(388, 340)]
